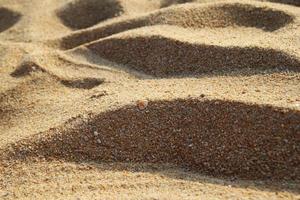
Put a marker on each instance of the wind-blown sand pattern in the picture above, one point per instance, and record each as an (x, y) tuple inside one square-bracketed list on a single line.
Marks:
[(149, 99)]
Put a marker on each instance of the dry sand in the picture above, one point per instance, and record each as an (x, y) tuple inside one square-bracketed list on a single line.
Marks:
[(149, 99)]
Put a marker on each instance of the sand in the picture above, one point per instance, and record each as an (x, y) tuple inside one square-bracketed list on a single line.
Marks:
[(149, 99)]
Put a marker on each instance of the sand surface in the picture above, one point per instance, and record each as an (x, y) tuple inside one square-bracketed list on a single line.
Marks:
[(149, 99)]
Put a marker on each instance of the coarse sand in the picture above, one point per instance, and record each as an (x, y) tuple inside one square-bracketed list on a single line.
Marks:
[(149, 99)]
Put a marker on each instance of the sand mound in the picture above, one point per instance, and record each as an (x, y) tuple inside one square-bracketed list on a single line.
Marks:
[(163, 57), (29, 67), (80, 14), (26, 68), (8, 18), (191, 16), (219, 138)]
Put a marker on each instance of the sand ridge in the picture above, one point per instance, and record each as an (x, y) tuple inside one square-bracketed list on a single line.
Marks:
[(115, 98), (212, 15)]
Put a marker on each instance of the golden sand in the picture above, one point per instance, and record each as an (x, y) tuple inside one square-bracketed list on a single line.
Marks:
[(149, 99)]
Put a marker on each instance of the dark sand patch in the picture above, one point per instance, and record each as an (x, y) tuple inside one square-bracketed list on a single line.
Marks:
[(85, 83), (164, 57), (85, 13), (8, 18)]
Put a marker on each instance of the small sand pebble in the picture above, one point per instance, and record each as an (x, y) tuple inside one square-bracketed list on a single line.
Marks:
[(99, 141), (96, 133), (142, 104)]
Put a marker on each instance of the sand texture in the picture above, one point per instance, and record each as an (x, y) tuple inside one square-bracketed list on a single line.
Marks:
[(150, 99)]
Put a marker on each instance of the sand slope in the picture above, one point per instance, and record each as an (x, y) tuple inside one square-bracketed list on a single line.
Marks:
[(139, 99)]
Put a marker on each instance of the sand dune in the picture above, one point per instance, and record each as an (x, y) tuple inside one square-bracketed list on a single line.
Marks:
[(139, 99), (190, 16), (141, 53), (216, 148)]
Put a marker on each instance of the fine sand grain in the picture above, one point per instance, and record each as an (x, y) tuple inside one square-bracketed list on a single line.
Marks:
[(149, 99)]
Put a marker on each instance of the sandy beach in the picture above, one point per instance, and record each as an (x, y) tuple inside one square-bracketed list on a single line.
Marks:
[(150, 99)]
